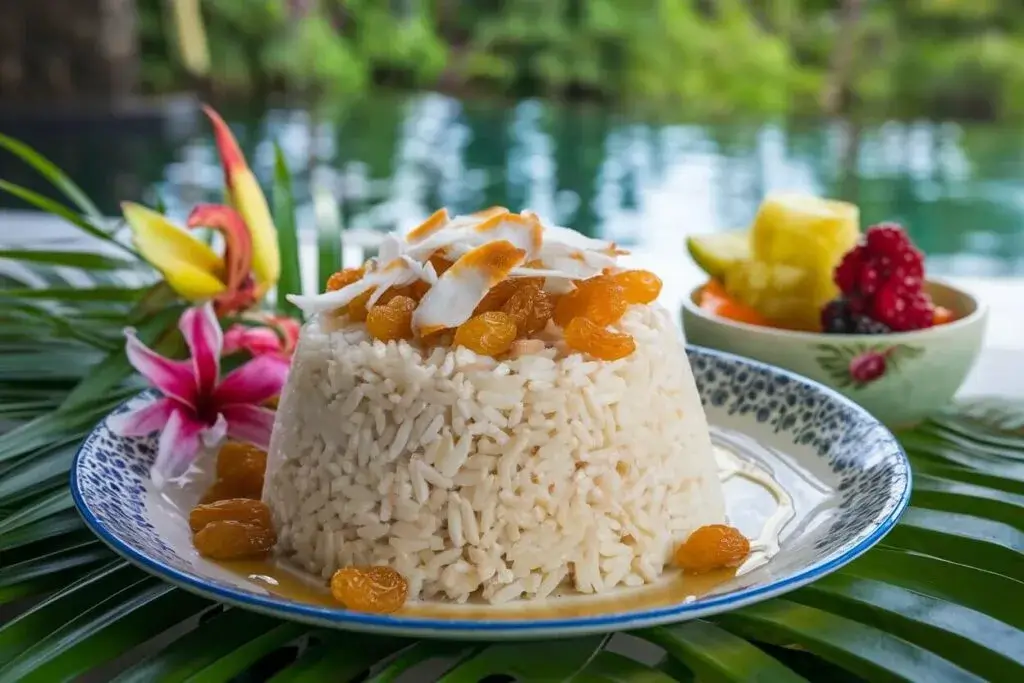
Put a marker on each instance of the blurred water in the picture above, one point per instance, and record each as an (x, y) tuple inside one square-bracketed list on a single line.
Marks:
[(389, 161)]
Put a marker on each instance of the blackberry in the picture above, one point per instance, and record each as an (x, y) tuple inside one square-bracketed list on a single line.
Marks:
[(865, 325), (836, 317)]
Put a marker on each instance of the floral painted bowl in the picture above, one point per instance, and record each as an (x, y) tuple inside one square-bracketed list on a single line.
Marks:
[(901, 378)]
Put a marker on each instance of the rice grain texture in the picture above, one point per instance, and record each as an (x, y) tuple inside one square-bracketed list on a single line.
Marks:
[(500, 479)]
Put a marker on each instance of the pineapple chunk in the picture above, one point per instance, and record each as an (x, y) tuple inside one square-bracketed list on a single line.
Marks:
[(778, 292), (804, 232)]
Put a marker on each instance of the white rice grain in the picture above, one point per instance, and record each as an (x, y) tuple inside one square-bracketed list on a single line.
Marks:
[(505, 480)]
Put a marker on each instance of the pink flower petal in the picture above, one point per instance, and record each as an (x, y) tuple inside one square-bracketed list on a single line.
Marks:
[(203, 335), (253, 383), (142, 421), (179, 445), (250, 423), (175, 379), (255, 340)]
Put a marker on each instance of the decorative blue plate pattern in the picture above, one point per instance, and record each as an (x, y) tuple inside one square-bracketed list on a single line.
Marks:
[(804, 424)]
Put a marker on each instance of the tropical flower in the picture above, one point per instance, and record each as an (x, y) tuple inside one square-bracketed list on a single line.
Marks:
[(275, 335), (251, 263), (197, 407)]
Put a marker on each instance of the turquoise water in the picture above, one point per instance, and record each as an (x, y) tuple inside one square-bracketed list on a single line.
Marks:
[(389, 161)]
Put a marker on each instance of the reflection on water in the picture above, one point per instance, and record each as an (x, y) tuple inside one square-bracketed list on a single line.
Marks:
[(390, 161)]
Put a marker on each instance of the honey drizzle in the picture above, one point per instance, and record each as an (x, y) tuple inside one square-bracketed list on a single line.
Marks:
[(674, 588)]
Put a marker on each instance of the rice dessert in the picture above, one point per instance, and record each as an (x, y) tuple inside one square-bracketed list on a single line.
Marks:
[(504, 472)]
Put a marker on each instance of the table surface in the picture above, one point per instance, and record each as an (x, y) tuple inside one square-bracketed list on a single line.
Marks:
[(999, 370)]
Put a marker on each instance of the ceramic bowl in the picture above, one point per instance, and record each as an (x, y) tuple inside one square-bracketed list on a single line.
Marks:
[(900, 378)]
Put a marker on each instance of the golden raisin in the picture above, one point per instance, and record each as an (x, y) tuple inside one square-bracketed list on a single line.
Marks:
[(391, 321), (439, 262), (582, 334), (243, 510), (639, 286), (242, 466), (418, 289), (488, 334), (380, 590), (231, 540), (356, 308), (530, 307), (496, 296), (598, 299), (343, 278), (710, 547), (222, 490)]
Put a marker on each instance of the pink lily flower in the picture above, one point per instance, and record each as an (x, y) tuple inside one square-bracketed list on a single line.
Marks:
[(198, 408), (277, 336)]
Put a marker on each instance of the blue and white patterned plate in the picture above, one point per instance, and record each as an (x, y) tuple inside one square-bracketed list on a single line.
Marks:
[(846, 475)]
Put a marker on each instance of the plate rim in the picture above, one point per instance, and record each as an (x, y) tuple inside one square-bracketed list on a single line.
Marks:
[(510, 627)]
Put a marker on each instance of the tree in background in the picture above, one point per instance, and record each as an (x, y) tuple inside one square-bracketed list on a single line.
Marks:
[(935, 57)]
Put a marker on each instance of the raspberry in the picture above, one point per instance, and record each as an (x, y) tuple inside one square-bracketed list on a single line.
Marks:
[(869, 279), (886, 239), (902, 310), (847, 272), (909, 263)]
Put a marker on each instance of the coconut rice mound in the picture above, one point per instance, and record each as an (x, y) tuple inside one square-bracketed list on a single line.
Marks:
[(501, 479)]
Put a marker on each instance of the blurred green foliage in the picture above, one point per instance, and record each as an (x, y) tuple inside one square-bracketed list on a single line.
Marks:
[(960, 58)]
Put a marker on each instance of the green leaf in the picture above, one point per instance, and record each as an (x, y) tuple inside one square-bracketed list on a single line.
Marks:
[(970, 639), (74, 259), (864, 650), (952, 496), (550, 660), (973, 541), (37, 474), (993, 594), (40, 574), (290, 281), (453, 652), (328, 230), (39, 509), (969, 476), (115, 368), (126, 618), (76, 597), (219, 649), (921, 445), (52, 526), (980, 443), (53, 174), (994, 414), (90, 294), (59, 210), (717, 656), (340, 657), (974, 434), (610, 667)]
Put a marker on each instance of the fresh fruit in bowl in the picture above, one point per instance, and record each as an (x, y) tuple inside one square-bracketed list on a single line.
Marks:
[(876, 329), (782, 267), (804, 265)]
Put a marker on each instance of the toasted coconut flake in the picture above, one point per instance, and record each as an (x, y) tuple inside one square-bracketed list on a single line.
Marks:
[(489, 212), (542, 272), (391, 247), (451, 301), (396, 273), (437, 221), (525, 232)]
